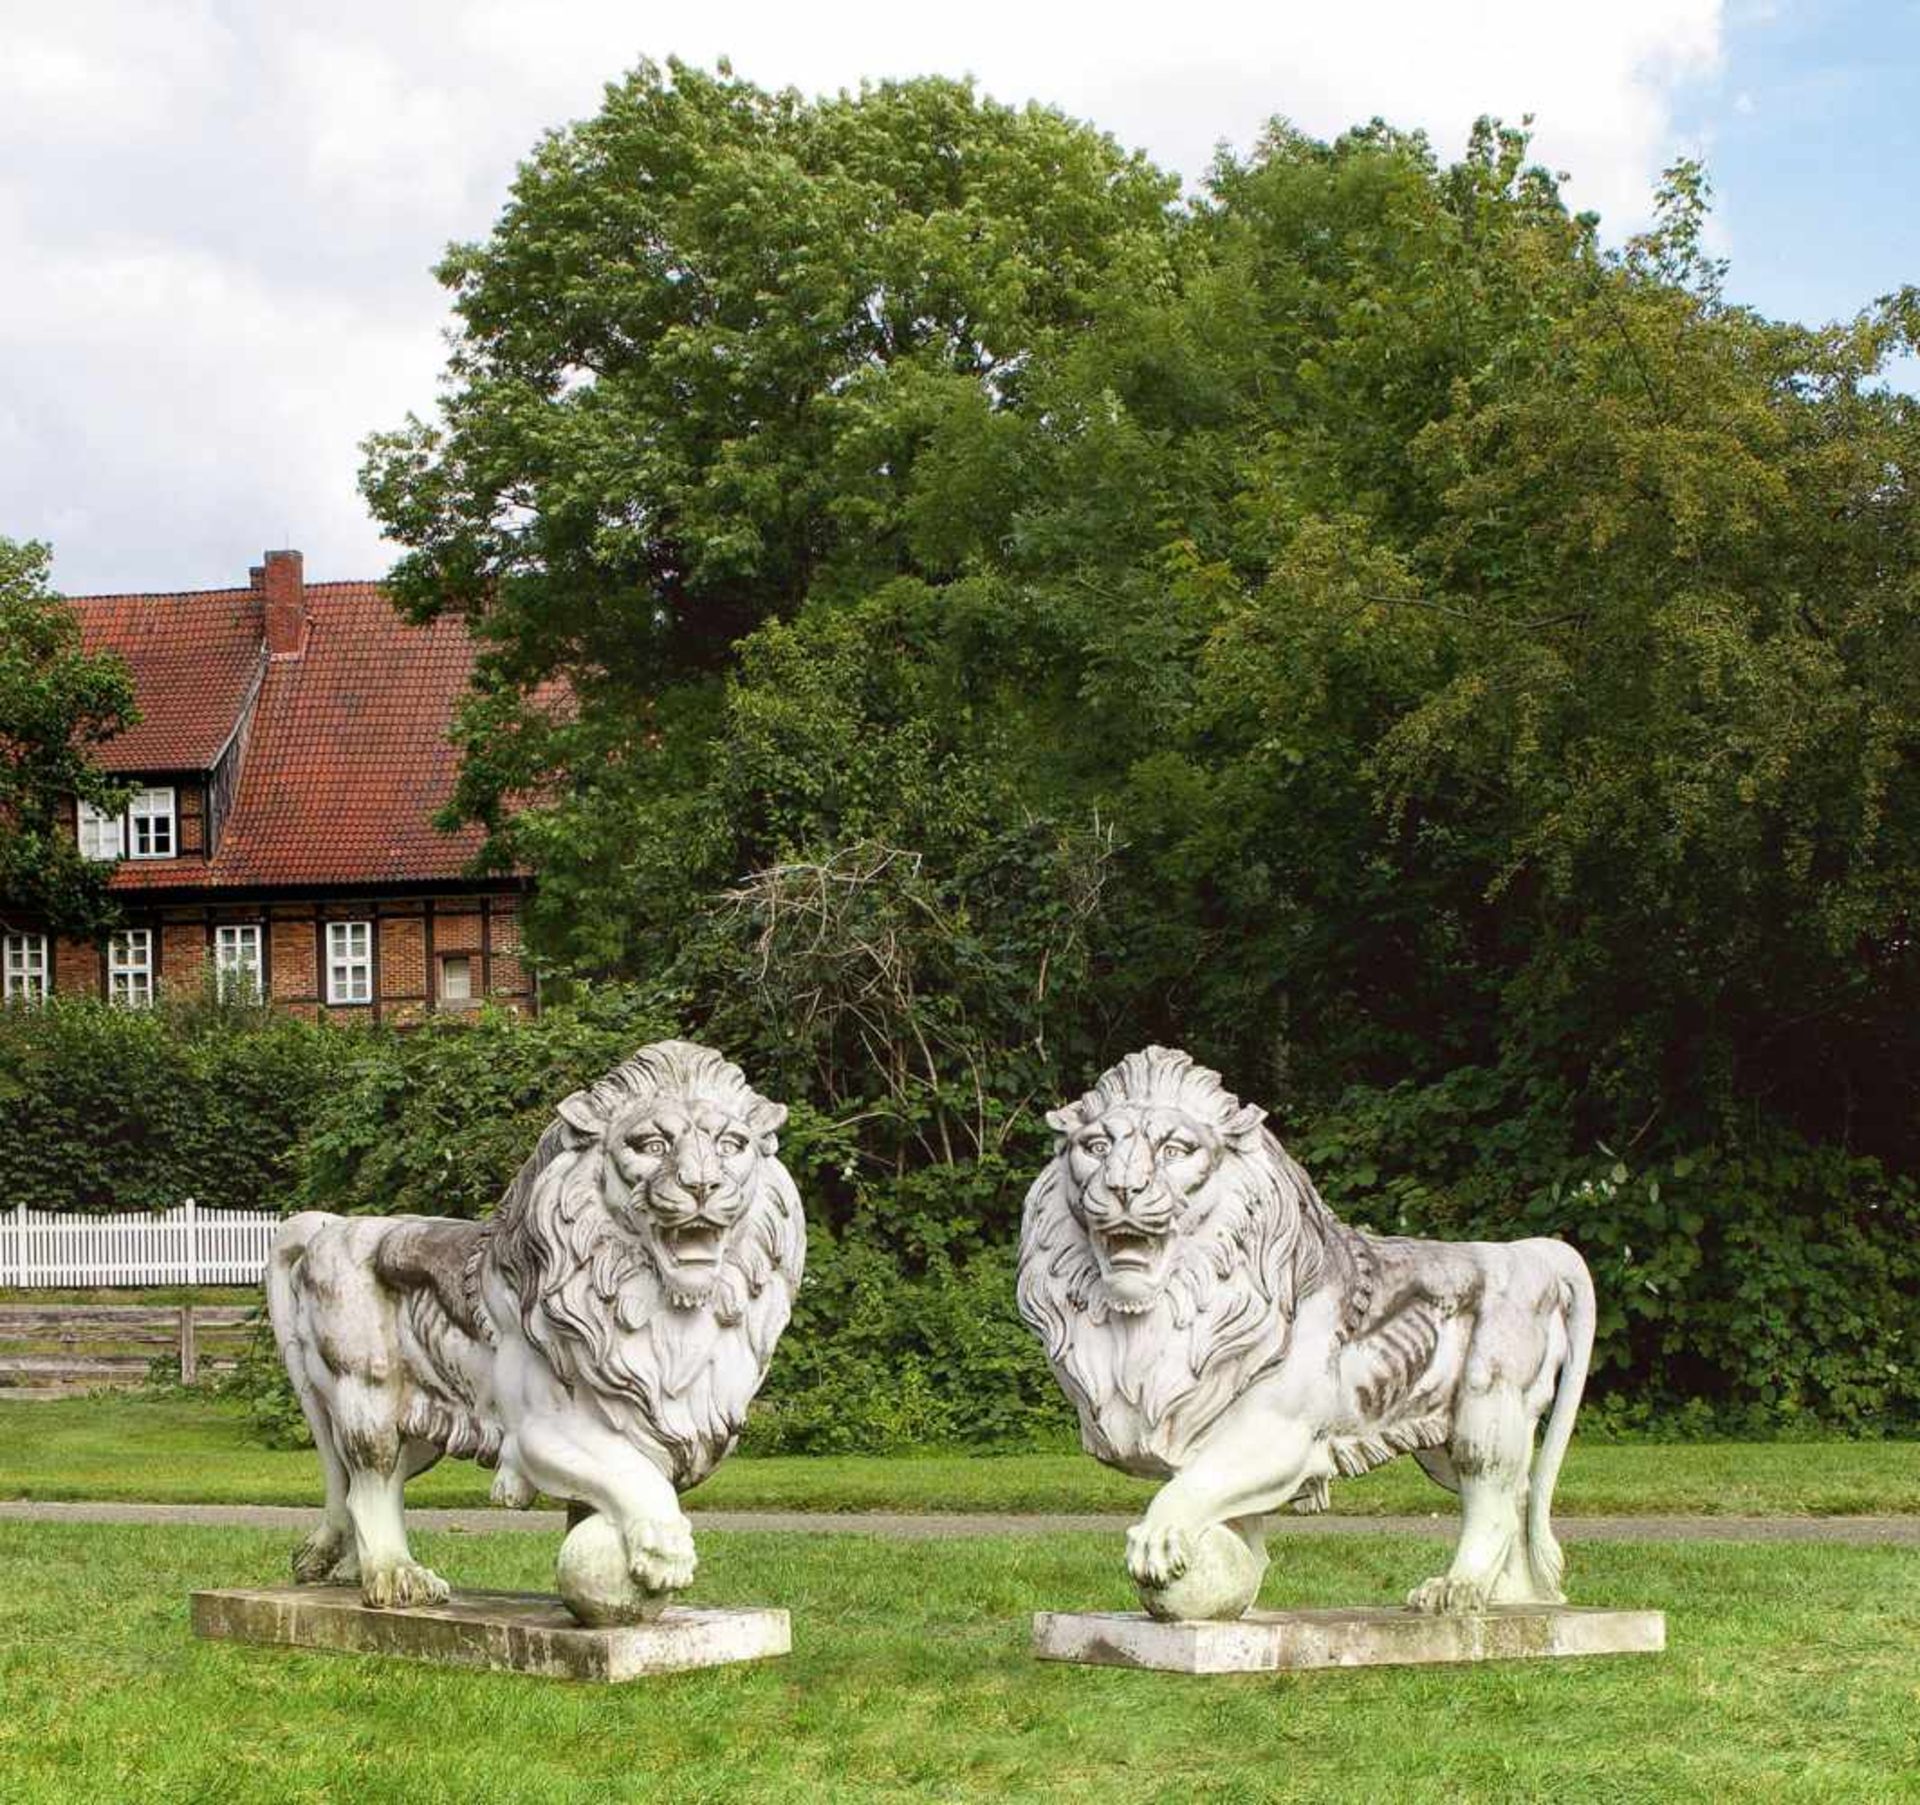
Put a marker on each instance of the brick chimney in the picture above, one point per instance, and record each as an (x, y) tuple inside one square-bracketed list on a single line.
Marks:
[(285, 588)]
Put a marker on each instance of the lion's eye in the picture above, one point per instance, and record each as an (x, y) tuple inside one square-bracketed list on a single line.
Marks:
[(1097, 1147), (1176, 1149), (730, 1144), (652, 1146)]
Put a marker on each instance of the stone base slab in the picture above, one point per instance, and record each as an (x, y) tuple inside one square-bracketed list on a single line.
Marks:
[(504, 1632), (1290, 1641)]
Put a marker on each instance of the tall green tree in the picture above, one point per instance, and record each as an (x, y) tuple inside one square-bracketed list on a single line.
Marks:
[(1615, 654), (955, 613), (724, 350), (57, 702)]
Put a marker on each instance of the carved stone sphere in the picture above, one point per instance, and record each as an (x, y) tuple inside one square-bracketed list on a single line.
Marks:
[(595, 1584), (1222, 1579)]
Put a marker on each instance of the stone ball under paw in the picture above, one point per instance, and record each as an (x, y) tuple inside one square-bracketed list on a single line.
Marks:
[(1222, 1579), (594, 1582)]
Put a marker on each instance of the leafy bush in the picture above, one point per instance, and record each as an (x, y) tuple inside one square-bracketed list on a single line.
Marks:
[(1761, 1285), (878, 1361), (436, 1120), (114, 1109)]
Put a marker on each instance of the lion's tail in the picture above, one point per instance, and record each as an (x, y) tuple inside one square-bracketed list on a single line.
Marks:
[(1544, 1555)]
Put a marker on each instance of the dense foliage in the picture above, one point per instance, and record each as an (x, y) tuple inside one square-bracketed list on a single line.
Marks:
[(57, 702), (118, 1109), (953, 611), (956, 612), (1766, 1287)]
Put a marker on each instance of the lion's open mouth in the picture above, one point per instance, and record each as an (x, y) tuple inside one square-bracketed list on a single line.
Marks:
[(693, 1243), (1128, 1252)]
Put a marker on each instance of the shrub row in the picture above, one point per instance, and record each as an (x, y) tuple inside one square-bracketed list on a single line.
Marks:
[(114, 1109), (1760, 1286)]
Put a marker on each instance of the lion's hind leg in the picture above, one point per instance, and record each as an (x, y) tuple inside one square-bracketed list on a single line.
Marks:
[(328, 1555), (378, 1465), (378, 1460), (1491, 1449), (348, 1356)]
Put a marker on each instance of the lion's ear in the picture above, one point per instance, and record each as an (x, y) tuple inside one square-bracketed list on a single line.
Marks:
[(1064, 1121), (582, 1122), (1243, 1125), (766, 1120)]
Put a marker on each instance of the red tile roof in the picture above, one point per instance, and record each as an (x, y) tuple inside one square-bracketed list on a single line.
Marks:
[(347, 760), (194, 658)]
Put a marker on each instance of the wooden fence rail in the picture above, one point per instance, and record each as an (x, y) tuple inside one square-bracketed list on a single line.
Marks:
[(183, 1246), (54, 1350)]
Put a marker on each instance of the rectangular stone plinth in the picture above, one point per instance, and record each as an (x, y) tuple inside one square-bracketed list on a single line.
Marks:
[(506, 1632), (1290, 1641)]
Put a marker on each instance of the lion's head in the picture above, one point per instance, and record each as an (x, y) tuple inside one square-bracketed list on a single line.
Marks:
[(1162, 1253), (652, 1246), (683, 1166)]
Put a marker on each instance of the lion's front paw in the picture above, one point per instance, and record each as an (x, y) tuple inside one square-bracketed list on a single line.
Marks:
[(402, 1583), (1444, 1597), (1157, 1554), (660, 1553)]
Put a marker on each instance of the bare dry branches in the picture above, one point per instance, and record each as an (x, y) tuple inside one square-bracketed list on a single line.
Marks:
[(860, 956)]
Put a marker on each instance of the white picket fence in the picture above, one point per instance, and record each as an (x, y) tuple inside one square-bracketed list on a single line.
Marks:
[(182, 1246)]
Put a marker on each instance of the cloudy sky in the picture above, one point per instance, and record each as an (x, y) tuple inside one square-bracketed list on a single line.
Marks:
[(217, 216)]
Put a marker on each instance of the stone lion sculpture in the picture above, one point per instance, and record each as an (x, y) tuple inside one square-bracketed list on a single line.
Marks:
[(1217, 1326), (598, 1338)]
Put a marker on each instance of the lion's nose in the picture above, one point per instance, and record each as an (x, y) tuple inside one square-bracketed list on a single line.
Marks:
[(701, 1192)]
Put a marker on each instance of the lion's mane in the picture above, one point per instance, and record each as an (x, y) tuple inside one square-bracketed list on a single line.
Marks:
[(1146, 1383), (591, 1300)]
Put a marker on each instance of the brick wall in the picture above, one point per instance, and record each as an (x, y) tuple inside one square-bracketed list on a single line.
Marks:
[(190, 801), (506, 974), (182, 946), (293, 957), (403, 959), (76, 968), (458, 928)]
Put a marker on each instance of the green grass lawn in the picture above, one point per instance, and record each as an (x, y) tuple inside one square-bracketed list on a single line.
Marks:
[(177, 1450), (144, 1297), (1793, 1674)]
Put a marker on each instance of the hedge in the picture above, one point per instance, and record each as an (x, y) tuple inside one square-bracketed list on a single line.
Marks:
[(1761, 1286)]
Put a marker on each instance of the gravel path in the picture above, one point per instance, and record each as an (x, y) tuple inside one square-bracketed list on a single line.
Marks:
[(1902, 1531)]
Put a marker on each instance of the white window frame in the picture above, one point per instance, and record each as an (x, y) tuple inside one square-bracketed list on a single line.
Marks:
[(27, 978), (460, 999), (152, 818), (130, 968), (239, 970), (94, 826), (349, 964)]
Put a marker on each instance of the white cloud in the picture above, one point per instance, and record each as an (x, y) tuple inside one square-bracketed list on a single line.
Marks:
[(109, 71), (217, 221)]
